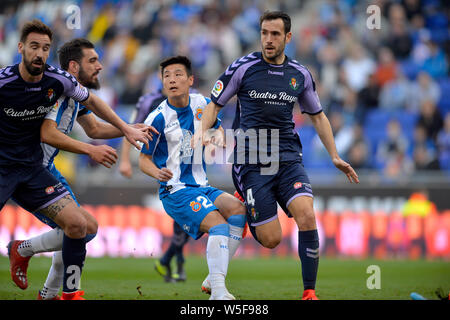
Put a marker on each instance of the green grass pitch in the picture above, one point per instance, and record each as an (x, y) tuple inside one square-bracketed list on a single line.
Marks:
[(248, 279)]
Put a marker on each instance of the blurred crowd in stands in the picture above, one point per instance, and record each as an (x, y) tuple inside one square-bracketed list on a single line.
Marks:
[(386, 91)]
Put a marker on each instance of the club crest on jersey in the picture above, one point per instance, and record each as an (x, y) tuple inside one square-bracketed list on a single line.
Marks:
[(218, 87), (297, 185), (50, 94), (293, 84), (195, 206), (198, 113)]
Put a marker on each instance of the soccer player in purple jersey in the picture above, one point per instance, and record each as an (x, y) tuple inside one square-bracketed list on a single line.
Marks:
[(267, 85), (80, 59), (28, 90)]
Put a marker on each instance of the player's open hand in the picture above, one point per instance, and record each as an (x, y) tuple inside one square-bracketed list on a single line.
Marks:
[(145, 128), (134, 135), (104, 155), (347, 169), (164, 175)]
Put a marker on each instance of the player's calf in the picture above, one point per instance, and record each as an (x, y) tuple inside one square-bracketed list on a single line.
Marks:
[(70, 217)]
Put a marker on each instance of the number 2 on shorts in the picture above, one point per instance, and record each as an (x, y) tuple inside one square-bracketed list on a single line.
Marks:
[(204, 201)]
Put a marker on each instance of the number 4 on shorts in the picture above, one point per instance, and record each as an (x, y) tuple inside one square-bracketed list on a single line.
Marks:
[(250, 199)]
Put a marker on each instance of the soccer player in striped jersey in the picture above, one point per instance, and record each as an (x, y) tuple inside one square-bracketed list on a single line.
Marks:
[(145, 105), (28, 91), (267, 85), (184, 189)]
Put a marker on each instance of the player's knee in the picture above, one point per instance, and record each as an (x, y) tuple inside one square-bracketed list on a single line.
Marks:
[(92, 226), (76, 226), (308, 220), (234, 207), (270, 241)]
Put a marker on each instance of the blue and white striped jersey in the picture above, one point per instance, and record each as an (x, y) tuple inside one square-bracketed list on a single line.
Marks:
[(172, 148), (64, 112)]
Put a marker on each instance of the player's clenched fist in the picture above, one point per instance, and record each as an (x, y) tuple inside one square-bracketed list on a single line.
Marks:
[(164, 175)]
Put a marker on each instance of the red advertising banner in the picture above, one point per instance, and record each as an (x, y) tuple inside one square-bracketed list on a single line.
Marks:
[(144, 232)]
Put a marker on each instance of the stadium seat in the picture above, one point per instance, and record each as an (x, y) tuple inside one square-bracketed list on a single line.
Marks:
[(444, 101), (409, 69)]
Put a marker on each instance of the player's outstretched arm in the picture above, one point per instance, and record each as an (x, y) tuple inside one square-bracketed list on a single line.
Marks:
[(98, 130), (323, 128), (149, 168), (101, 109), (101, 130), (102, 154), (209, 117)]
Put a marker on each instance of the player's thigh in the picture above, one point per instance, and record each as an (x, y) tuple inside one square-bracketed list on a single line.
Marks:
[(302, 209), (66, 213), (212, 219), (91, 222), (269, 234), (229, 205), (188, 207), (260, 198), (40, 190), (292, 182)]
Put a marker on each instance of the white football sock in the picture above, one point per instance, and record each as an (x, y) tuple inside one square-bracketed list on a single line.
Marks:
[(217, 257), (55, 277), (233, 243), (235, 239), (46, 242)]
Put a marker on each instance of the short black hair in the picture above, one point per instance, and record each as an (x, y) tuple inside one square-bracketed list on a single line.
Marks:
[(73, 50), (273, 15), (36, 26), (177, 60)]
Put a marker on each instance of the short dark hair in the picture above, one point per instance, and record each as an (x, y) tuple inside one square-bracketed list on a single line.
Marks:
[(177, 60), (273, 15), (36, 26), (73, 50)]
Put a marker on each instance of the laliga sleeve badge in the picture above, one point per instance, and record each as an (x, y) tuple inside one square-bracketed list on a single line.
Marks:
[(218, 87)]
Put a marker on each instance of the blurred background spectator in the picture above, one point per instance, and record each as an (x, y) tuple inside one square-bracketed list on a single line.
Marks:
[(386, 90)]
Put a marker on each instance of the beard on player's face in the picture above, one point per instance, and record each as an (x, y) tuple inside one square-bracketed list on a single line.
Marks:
[(277, 51), (32, 69), (87, 80)]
